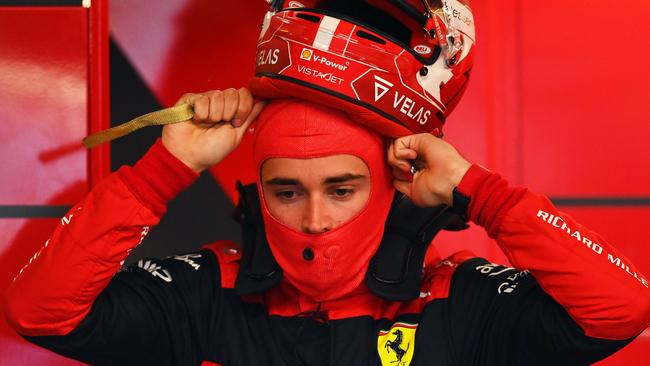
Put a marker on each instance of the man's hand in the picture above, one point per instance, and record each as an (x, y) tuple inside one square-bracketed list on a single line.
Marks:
[(440, 169), (220, 120)]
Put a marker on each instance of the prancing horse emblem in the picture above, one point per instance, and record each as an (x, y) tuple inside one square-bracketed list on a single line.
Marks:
[(395, 346)]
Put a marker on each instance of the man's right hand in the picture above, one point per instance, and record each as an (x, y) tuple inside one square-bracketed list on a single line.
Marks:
[(220, 120)]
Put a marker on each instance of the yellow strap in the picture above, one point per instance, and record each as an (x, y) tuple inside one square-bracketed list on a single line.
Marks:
[(165, 116)]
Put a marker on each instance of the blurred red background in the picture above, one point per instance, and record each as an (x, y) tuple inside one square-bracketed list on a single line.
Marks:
[(556, 103)]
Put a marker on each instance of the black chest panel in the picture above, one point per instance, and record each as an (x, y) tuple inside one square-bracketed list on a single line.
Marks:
[(493, 315), (310, 341)]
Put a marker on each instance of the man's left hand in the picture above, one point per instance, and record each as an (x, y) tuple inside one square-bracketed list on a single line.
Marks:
[(440, 167)]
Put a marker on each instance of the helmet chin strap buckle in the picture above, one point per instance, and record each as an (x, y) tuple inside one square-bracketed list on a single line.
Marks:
[(395, 271), (258, 269)]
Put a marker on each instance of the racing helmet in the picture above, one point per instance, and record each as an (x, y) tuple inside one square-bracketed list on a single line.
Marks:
[(397, 66)]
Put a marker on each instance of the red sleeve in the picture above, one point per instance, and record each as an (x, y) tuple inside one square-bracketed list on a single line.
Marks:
[(53, 293), (598, 286)]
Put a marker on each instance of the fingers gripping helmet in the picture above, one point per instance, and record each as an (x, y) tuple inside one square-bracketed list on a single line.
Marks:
[(397, 66)]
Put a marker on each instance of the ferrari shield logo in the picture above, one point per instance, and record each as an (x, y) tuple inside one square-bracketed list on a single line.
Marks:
[(395, 346)]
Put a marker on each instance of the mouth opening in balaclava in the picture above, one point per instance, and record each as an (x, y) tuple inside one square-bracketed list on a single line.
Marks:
[(292, 128)]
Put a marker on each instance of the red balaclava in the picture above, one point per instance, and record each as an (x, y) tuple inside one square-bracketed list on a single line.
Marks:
[(292, 128)]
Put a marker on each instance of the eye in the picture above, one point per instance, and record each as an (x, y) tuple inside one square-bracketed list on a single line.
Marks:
[(343, 192), (286, 195)]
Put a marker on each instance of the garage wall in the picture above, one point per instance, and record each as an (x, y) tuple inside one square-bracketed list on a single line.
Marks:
[(53, 84)]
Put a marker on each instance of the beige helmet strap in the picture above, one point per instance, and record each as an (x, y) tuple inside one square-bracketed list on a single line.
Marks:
[(165, 116)]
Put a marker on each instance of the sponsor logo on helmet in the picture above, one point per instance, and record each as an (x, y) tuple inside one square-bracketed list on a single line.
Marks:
[(396, 345), (382, 86), (267, 57), (456, 14), (295, 4), (422, 49), (309, 55), (410, 108), (401, 102), (325, 76), (306, 54)]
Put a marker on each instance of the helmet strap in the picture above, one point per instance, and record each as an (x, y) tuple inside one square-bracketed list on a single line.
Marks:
[(396, 269), (258, 269)]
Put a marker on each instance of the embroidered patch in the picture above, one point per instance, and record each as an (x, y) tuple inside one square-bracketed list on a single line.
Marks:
[(396, 346)]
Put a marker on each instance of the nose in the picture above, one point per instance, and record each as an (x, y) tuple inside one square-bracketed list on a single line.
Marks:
[(315, 219)]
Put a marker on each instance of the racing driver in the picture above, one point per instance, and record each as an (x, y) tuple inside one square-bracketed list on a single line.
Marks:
[(335, 267)]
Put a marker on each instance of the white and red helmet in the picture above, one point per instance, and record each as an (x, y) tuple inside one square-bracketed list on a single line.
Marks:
[(397, 66)]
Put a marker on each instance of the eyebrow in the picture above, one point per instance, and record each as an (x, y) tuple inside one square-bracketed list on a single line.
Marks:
[(343, 178), (279, 181), (283, 182)]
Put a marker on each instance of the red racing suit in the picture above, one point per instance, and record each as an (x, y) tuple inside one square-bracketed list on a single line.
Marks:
[(573, 298)]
